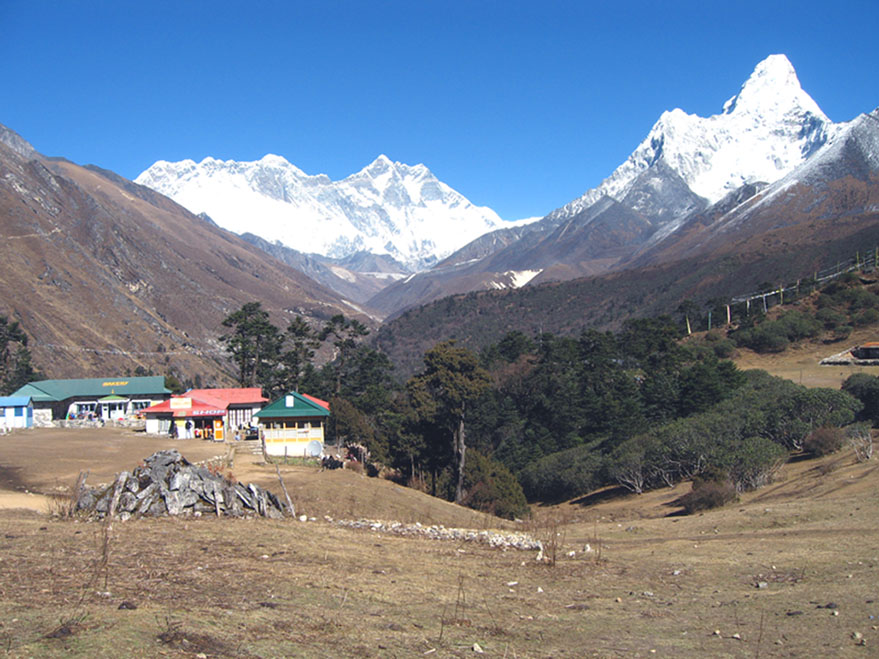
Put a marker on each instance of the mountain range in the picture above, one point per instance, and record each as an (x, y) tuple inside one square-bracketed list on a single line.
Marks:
[(98, 268), (387, 208)]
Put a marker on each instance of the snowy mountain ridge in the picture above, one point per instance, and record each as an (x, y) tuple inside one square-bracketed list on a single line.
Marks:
[(765, 131), (385, 208)]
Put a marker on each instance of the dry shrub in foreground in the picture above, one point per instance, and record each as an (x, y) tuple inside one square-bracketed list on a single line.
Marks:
[(824, 441), (860, 438), (708, 492)]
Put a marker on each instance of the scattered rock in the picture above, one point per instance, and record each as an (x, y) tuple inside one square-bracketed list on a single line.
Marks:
[(495, 539), (127, 606), (477, 649)]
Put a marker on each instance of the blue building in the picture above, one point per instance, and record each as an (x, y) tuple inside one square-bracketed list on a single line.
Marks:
[(16, 412)]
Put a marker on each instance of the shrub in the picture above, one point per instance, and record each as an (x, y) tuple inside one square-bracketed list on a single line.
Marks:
[(766, 337), (562, 475), (707, 493), (842, 332), (724, 349), (860, 438), (492, 488), (830, 318), (867, 317), (865, 388), (753, 462), (860, 298), (824, 441)]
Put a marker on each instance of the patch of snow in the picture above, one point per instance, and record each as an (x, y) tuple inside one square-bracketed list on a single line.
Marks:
[(522, 277), (342, 273)]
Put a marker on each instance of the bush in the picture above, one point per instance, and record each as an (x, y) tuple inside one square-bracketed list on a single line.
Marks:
[(842, 332), (753, 462), (492, 488), (776, 335), (562, 475), (860, 298), (867, 317), (724, 349), (830, 318), (860, 438), (824, 441), (865, 388), (766, 337), (708, 493)]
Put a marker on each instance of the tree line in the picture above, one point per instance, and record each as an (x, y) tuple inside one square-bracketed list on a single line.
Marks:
[(548, 417)]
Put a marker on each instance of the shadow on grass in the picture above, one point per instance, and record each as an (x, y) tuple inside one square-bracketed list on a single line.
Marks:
[(602, 495), (10, 478)]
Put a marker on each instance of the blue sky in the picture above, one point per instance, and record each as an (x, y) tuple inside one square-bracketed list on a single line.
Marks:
[(521, 106)]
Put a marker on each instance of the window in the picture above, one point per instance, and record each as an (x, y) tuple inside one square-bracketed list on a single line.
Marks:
[(19, 411)]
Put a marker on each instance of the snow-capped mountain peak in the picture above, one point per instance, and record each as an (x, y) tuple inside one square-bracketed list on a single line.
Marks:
[(773, 89), (386, 208), (766, 130)]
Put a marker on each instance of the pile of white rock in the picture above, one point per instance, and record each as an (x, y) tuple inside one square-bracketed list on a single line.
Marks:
[(496, 539)]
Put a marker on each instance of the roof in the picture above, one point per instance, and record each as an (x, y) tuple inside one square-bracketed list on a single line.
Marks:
[(15, 401), (294, 404), (245, 396), (57, 390), (186, 406), (320, 402)]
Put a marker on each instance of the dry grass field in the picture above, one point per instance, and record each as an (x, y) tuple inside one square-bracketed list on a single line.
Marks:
[(790, 570)]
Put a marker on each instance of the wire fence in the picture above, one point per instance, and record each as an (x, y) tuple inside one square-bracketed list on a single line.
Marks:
[(763, 300)]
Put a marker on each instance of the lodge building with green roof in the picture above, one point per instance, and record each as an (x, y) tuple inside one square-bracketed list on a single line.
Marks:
[(294, 425), (104, 399)]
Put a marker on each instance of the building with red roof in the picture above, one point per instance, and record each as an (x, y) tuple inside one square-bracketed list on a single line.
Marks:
[(205, 413)]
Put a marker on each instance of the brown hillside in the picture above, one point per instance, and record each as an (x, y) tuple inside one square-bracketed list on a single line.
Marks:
[(105, 275)]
